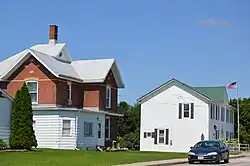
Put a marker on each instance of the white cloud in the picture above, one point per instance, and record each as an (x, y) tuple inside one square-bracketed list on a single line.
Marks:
[(215, 23)]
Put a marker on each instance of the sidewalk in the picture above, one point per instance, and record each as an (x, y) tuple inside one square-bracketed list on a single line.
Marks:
[(173, 161)]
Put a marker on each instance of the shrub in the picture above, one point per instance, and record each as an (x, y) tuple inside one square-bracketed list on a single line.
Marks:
[(2, 144), (22, 135)]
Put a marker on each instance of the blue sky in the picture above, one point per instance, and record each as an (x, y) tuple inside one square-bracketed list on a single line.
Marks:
[(201, 43)]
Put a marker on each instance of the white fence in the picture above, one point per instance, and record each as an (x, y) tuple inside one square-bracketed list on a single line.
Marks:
[(236, 146)]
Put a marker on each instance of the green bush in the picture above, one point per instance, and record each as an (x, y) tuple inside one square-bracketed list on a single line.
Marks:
[(22, 135), (3, 145)]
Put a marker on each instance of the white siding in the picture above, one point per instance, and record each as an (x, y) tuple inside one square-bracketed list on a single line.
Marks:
[(48, 129), (5, 116), (162, 111), (90, 142), (222, 126)]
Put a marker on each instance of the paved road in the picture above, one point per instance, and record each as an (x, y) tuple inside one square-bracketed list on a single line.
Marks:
[(233, 162)]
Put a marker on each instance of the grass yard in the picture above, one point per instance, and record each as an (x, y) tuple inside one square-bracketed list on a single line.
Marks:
[(80, 158)]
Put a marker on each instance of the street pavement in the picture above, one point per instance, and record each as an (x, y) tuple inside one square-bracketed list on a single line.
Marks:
[(245, 161)]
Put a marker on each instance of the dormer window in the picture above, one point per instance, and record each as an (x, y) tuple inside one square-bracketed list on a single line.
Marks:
[(69, 92), (60, 55), (108, 97)]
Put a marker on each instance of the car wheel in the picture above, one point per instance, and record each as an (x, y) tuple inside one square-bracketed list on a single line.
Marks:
[(190, 162), (218, 159), (227, 160)]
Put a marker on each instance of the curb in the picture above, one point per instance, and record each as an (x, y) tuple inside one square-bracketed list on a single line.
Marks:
[(169, 162), (185, 162)]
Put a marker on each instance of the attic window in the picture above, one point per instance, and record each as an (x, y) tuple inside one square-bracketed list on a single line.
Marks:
[(60, 55)]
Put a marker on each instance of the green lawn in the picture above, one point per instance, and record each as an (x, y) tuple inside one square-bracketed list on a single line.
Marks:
[(80, 158)]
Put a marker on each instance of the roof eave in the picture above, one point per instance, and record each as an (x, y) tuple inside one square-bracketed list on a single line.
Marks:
[(141, 99)]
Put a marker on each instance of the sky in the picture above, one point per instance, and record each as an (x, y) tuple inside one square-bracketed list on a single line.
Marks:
[(201, 43)]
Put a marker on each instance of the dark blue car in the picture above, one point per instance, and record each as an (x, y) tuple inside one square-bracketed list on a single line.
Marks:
[(210, 150)]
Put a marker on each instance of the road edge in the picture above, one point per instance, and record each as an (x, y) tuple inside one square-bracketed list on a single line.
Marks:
[(185, 162)]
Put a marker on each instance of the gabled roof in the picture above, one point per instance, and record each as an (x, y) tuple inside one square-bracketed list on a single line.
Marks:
[(83, 71), (215, 93), (5, 95), (208, 93)]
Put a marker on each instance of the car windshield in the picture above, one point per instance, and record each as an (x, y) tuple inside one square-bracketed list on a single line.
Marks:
[(207, 144)]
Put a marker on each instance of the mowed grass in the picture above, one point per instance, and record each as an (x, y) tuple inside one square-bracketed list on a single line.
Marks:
[(80, 158)]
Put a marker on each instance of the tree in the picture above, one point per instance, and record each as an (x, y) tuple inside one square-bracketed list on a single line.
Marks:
[(244, 107), (129, 124), (22, 134)]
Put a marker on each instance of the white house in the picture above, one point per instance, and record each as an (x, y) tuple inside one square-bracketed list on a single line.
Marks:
[(175, 116), (5, 115)]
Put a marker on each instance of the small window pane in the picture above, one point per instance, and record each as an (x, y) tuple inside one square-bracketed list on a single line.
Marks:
[(186, 106), (33, 97), (32, 86), (186, 110)]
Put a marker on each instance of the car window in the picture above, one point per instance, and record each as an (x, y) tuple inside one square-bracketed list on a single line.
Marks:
[(223, 145), (207, 144)]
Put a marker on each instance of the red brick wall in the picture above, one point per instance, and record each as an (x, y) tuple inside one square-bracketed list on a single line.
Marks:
[(53, 91), (33, 70)]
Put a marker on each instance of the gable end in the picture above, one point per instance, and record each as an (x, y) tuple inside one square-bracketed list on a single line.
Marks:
[(169, 84)]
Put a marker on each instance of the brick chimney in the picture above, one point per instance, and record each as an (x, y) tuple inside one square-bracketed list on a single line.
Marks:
[(53, 34)]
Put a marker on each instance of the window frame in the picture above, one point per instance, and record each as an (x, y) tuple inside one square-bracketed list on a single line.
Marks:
[(161, 136), (70, 128), (107, 136), (189, 110), (108, 96), (33, 81), (69, 92), (88, 127), (222, 116), (99, 130)]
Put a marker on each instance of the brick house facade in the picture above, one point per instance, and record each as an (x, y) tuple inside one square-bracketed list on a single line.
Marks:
[(47, 89)]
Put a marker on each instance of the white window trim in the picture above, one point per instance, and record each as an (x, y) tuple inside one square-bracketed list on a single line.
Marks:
[(34, 81), (107, 137), (109, 104), (71, 127), (70, 92), (86, 122)]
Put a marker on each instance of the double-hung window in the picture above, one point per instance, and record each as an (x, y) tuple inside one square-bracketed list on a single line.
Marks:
[(107, 128), (69, 93), (66, 128), (88, 129), (108, 97), (99, 130), (186, 110), (33, 90)]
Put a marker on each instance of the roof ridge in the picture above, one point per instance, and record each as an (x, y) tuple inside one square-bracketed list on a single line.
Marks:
[(93, 59)]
